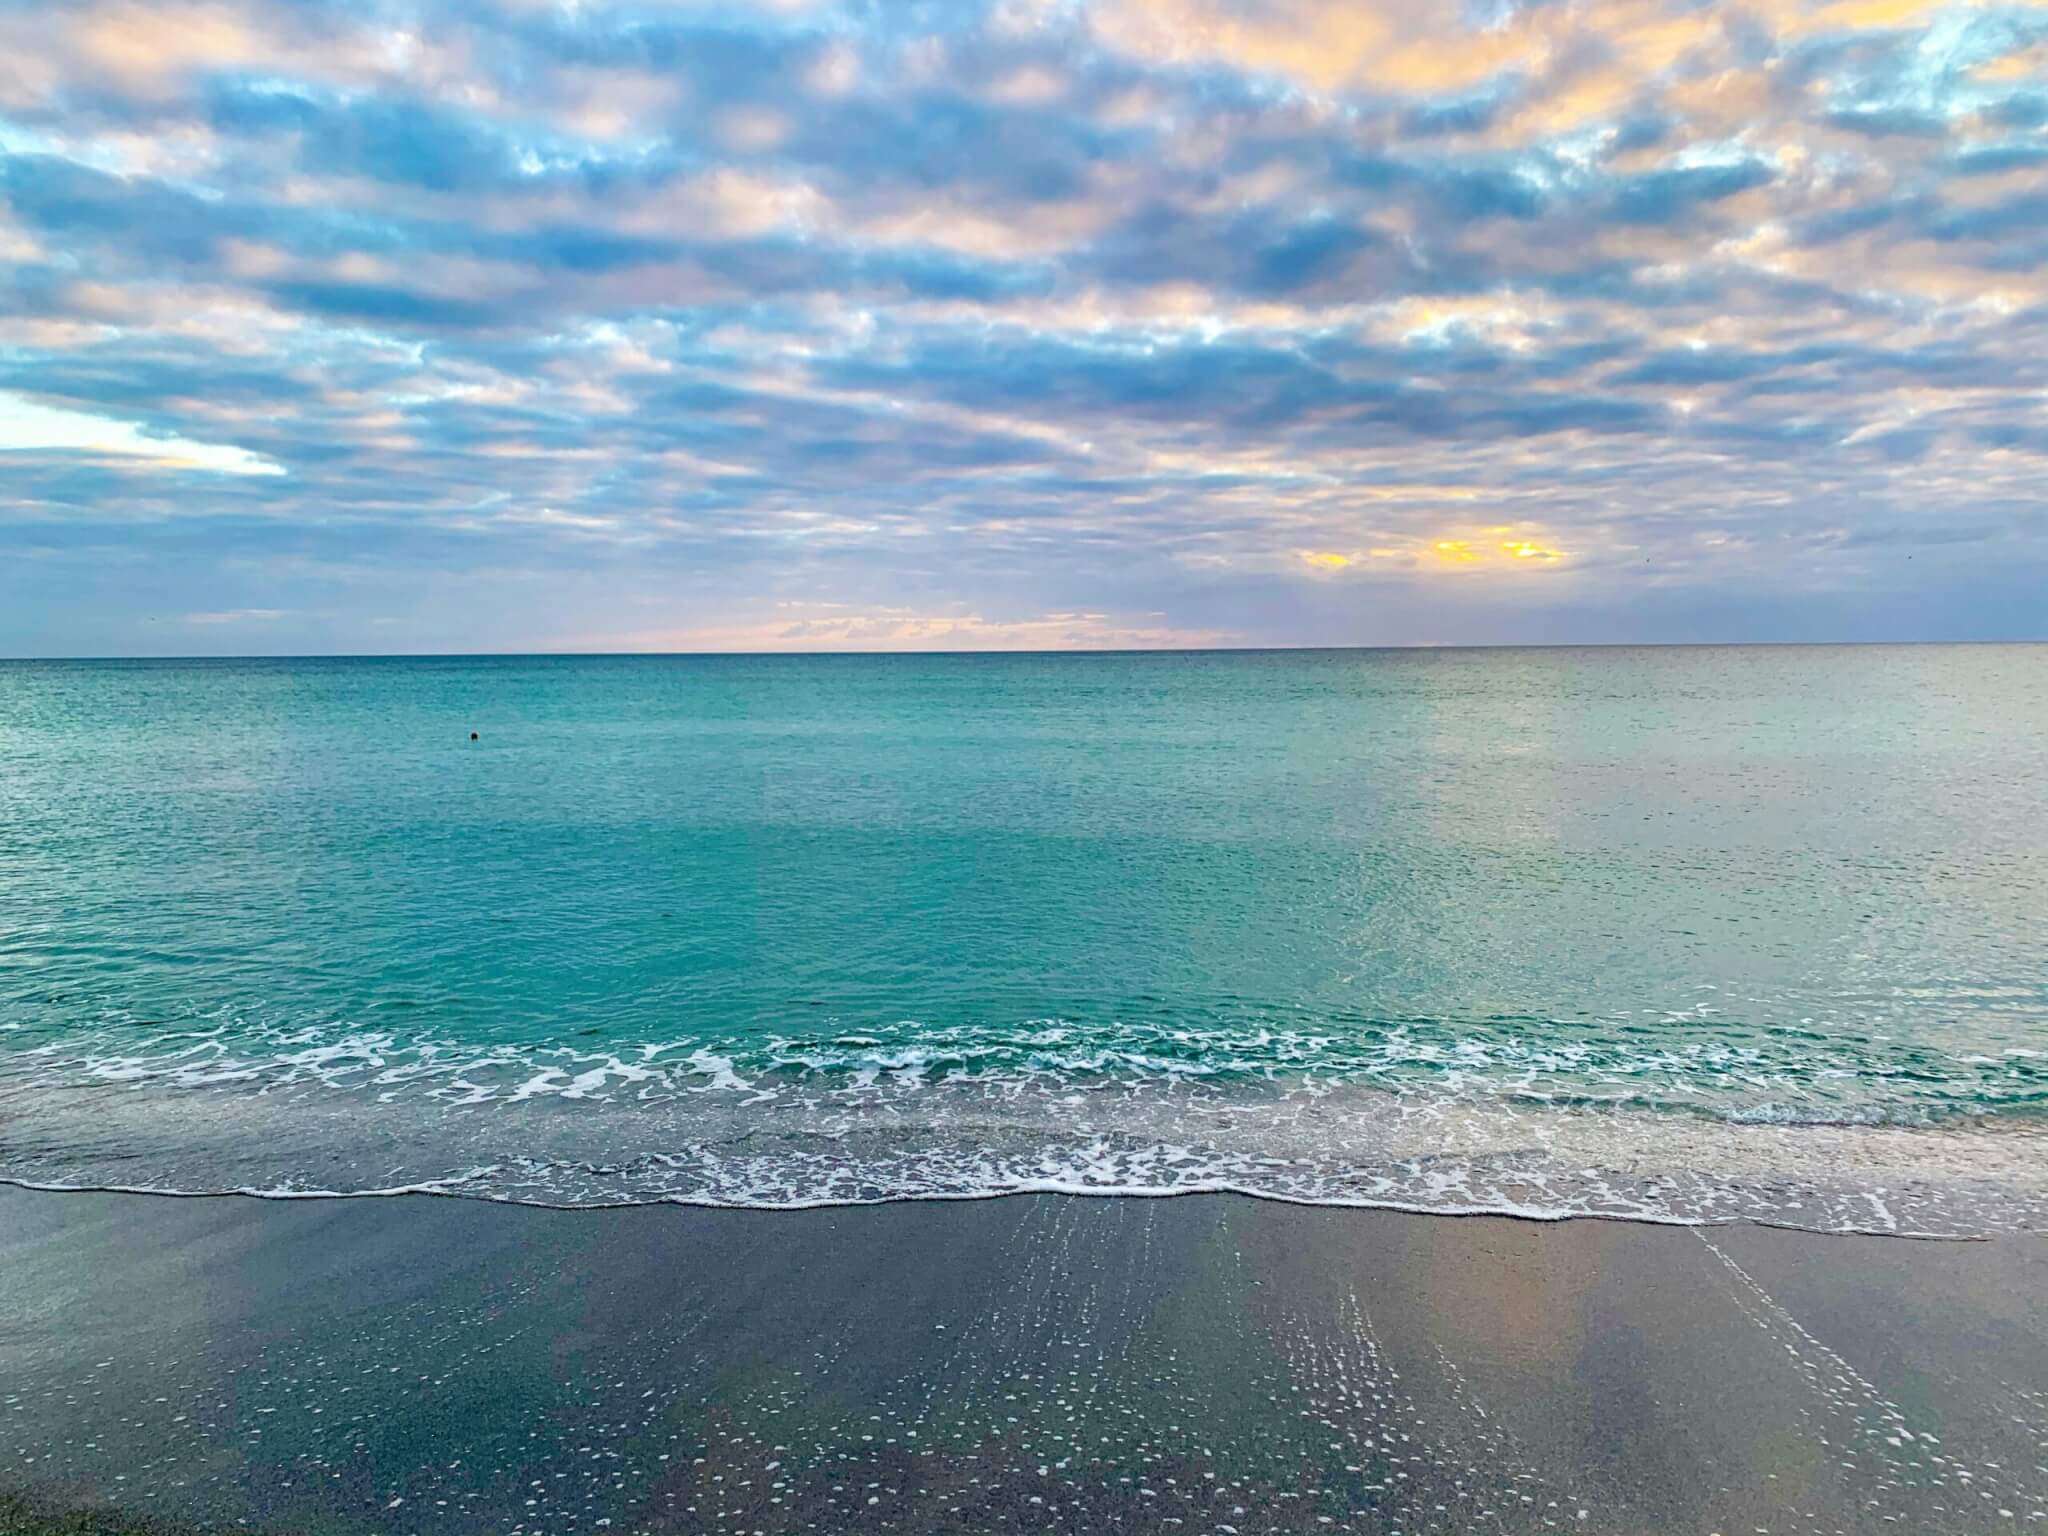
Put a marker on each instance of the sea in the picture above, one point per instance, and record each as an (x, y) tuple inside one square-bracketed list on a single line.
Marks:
[(1689, 934)]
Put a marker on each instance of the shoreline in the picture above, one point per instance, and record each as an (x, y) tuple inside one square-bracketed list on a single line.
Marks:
[(1204, 1359), (1027, 1192), (940, 1143)]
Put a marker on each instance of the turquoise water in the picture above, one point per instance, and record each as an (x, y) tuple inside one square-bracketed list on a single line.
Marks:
[(1679, 933)]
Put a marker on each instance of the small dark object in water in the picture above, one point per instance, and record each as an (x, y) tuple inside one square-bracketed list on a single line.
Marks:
[(472, 735)]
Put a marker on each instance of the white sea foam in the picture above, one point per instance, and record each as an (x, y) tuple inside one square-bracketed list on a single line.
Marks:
[(732, 1141), (1535, 1118), (1738, 1075)]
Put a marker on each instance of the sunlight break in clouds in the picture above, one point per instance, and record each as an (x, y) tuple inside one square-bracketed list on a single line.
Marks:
[(487, 324), (26, 427)]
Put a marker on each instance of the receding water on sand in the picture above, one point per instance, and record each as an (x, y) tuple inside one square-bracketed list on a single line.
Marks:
[(788, 1149)]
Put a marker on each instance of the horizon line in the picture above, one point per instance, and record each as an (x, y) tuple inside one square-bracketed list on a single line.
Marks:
[(1161, 650)]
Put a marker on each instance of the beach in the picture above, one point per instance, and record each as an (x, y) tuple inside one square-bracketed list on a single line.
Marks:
[(1140, 768), (1202, 1363), (1517, 1091)]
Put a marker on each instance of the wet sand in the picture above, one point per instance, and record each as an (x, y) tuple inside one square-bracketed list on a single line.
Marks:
[(1208, 1363)]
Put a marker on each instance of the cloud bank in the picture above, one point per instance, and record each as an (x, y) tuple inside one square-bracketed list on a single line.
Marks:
[(456, 324)]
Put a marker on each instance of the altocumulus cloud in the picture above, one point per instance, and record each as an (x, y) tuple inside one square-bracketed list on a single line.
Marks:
[(491, 323)]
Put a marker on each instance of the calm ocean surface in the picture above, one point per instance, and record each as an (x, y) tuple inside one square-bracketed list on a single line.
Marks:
[(1679, 934)]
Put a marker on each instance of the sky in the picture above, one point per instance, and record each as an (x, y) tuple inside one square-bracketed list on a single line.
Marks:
[(486, 325)]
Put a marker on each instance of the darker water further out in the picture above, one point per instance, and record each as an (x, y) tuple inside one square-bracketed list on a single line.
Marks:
[(1670, 934)]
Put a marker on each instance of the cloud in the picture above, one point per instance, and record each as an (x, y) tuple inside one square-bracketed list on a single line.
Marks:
[(1669, 193), (480, 322), (27, 427), (814, 626), (237, 616)]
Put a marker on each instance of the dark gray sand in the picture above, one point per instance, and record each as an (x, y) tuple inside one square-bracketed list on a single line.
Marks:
[(1206, 1364)]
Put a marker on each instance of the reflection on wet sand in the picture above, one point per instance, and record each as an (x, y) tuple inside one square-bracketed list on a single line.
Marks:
[(1035, 1363)]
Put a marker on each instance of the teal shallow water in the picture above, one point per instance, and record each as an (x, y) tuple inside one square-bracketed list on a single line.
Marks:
[(1428, 928)]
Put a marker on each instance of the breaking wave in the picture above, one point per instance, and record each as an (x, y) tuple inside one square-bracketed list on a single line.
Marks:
[(1481, 1117)]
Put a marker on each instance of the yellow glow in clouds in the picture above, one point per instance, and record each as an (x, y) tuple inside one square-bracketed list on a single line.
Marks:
[(1518, 551), (1475, 551)]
